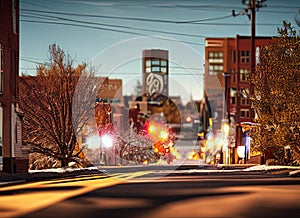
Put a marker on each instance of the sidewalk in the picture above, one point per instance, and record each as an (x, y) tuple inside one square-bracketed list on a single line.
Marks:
[(39, 175), (9, 179), (188, 168)]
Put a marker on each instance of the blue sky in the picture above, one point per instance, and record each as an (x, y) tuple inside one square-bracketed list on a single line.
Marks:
[(94, 40)]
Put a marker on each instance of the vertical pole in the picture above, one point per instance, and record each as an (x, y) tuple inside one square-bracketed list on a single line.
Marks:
[(204, 114), (253, 50), (252, 56), (227, 96), (238, 100), (252, 37), (252, 5), (227, 105)]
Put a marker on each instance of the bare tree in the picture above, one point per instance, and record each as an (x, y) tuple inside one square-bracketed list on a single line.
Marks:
[(57, 103)]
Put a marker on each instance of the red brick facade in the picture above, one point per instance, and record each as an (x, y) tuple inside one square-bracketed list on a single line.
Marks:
[(233, 57), (12, 158), (226, 82)]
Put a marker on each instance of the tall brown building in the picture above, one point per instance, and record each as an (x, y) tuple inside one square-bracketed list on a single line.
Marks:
[(155, 72), (229, 57), (12, 157)]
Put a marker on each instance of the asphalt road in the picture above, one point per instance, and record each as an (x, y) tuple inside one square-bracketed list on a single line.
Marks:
[(186, 146), (148, 194)]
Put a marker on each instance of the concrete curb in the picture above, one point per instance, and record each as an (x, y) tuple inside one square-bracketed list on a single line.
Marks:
[(11, 182), (294, 173)]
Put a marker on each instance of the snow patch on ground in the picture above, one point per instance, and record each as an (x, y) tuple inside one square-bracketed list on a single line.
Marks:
[(295, 173), (266, 168), (65, 170), (293, 170)]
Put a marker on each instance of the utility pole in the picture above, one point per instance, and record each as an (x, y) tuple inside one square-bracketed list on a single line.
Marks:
[(253, 50), (253, 5)]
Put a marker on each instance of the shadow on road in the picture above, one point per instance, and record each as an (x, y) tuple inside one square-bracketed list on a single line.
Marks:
[(141, 199)]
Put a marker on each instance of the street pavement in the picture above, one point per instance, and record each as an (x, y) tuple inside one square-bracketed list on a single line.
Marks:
[(146, 195), (185, 147), (186, 188)]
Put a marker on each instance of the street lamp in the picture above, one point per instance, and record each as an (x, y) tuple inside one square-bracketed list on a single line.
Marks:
[(225, 131), (226, 116)]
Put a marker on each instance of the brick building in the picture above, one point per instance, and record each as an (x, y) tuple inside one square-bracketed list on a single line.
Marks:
[(230, 57), (13, 158), (227, 70)]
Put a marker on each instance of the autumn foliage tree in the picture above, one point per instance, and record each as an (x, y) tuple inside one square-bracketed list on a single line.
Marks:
[(276, 97), (57, 103)]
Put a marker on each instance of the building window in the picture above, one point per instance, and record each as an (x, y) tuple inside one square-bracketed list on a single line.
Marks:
[(245, 92), (148, 63), (233, 54), (233, 75), (156, 66), (244, 75), (156, 69), (215, 57), (257, 52), (244, 101), (215, 60), (245, 113), (244, 96), (163, 69), (155, 62), (163, 63), (232, 95), (1, 67), (232, 100), (245, 56), (215, 69)]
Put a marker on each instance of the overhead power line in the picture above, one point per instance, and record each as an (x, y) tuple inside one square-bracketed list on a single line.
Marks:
[(32, 61), (39, 16), (237, 24), (107, 29), (36, 5), (199, 22), (139, 73), (32, 58), (196, 6), (208, 19), (124, 18), (284, 6)]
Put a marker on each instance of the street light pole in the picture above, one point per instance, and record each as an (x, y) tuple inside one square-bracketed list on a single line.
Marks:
[(227, 110), (227, 95)]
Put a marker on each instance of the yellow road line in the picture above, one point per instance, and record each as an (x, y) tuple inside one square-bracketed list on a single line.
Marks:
[(20, 204)]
